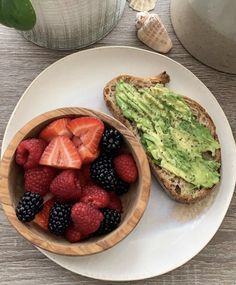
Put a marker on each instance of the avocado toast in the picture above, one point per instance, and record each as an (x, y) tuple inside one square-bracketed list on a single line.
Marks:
[(178, 135)]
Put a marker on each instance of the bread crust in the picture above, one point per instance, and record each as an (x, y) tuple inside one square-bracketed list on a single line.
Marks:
[(172, 184)]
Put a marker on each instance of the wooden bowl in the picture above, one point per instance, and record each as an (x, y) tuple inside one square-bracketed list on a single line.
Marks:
[(134, 202)]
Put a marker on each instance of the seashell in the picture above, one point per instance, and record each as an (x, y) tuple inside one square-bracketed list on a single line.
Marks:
[(152, 32), (142, 5)]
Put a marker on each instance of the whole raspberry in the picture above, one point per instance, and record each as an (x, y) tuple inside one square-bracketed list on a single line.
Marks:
[(125, 168), (84, 175), (95, 196), (29, 151), (66, 186), (73, 234), (115, 202), (38, 179), (86, 218)]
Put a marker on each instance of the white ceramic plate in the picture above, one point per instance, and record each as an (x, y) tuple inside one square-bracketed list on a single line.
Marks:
[(169, 233)]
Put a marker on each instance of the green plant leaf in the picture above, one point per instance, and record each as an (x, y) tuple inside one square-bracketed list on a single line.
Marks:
[(18, 14), (2, 19)]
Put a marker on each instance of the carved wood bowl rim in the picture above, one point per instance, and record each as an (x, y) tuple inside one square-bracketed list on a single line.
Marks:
[(47, 241)]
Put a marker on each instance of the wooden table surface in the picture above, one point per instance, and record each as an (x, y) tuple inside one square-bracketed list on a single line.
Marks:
[(20, 262)]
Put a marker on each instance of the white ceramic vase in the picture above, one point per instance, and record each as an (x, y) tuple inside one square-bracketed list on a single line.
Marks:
[(207, 29), (70, 24)]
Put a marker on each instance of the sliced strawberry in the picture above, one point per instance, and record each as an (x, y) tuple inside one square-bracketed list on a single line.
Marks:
[(86, 155), (77, 141), (42, 218), (61, 153), (56, 128), (89, 130)]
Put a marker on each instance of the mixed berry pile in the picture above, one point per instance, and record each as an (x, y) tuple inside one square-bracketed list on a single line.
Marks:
[(74, 174)]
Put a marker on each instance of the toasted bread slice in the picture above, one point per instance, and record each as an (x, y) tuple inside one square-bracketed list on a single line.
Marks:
[(176, 187)]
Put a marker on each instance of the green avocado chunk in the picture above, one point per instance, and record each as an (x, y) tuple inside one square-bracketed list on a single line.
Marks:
[(170, 133)]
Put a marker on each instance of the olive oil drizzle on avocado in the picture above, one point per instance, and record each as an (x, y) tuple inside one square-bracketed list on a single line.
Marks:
[(170, 133)]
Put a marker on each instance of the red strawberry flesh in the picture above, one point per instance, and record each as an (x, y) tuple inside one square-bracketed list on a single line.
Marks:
[(42, 218), (61, 153), (56, 128), (86, 155), (89, 130)]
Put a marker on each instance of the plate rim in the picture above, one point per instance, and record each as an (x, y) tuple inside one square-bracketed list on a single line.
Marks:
[(229, 197)]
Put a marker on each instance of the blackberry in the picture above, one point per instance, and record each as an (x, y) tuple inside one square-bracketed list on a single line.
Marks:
[(59, 218), (105, 161), (121, 187), (29, 205), (110, 222), (111, 141), (103, 174)]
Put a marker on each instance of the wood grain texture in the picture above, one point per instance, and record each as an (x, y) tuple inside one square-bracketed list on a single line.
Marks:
[(134, 202), (20, 262)]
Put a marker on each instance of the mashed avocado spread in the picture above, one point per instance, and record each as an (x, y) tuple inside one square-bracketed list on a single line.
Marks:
[(170, 133)]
